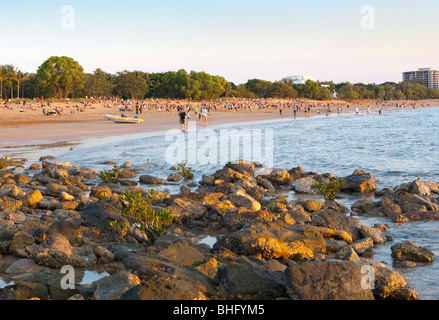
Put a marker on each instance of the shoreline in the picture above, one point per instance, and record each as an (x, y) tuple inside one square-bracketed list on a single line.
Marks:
[(68, 131)]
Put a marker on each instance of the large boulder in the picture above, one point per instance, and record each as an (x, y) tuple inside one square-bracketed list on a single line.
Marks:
[(100, 214), (241, 199), (32, 198), (304, 185), (360, 181), (100, 192), (326, 280), (186, 210), (187, 283), (419, 187), (147, 179), (409, 251), (114, 286), (183, 254), (249, 279), (274, 239), (337, 221)]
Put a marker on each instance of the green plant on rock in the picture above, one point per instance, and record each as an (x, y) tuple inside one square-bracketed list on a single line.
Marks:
[(186, 172), (329, 190), (4, 162), (139, 212), (110, 175)]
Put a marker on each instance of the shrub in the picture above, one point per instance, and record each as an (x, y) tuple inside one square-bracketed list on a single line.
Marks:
[(186, 172), (4, 162), (139, 212), (110, 175), (329, 189)]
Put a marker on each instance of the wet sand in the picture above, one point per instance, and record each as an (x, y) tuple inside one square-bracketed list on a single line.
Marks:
[(31, 127)]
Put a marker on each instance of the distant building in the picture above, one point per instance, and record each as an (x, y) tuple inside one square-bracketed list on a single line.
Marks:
[(299, 79), (430, 78)]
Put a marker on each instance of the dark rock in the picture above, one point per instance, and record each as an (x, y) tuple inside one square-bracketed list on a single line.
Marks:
[(114, 286), (100, 214), (71, 230), (249, 279), (409, 251), (326, 280), (363, 206), (147, 179), (336, 221), (360, 181), (155, 272), (183, 254)]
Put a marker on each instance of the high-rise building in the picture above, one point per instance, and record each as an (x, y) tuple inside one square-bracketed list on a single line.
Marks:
[(430, 78)]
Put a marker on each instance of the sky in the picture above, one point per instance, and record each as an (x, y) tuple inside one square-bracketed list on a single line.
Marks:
[(366, 41)]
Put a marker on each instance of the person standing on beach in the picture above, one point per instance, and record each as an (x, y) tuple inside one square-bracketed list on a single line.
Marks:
[(182, 116), (204, 116), (294, 111)]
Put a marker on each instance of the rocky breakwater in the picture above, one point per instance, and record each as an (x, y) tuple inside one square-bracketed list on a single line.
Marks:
[(267, 247), (414, 201)]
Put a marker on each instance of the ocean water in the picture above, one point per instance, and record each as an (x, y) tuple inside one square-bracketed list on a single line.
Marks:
[(396, 147)]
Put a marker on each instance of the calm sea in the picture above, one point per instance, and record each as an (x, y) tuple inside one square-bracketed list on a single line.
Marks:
[(396, 147)]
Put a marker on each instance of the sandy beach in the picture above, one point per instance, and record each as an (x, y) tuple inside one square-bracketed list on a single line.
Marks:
[(21, 126)]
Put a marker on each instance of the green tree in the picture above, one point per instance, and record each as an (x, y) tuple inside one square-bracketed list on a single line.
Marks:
[(3, 77), (131, 85), (19, 77), (261, 88), (311, 89), (99, 83), (283, 90), (350, 95), (60, 76)]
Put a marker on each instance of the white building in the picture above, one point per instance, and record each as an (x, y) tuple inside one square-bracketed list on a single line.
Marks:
[(299, 79), (430, 78)]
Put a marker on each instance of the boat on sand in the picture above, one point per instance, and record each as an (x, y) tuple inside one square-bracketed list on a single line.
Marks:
[(122, 119)]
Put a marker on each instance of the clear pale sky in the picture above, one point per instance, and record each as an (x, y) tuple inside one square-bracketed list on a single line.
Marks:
[(238, 39)]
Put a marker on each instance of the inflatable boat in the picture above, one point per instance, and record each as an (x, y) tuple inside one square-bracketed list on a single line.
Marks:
[(120, 119)]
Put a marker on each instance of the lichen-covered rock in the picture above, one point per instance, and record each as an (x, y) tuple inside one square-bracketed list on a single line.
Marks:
[(271, 248), (100, 192), (241, 199), (409, 251), (360, 181), (32, 198)]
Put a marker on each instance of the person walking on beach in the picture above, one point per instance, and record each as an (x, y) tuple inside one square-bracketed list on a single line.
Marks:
[(294, 111), (204, 116), (182, 116), (188, 116)]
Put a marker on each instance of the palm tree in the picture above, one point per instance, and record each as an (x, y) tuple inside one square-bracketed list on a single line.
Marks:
[(20, 78), (11, 77), (3, 77)]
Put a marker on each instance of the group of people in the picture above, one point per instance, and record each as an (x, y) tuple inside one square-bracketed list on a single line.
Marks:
[(184, 116)]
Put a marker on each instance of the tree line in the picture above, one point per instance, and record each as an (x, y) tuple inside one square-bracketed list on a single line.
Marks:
[(63, 77)]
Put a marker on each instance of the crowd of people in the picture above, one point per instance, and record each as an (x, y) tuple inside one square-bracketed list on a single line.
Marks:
[(202, 109)]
